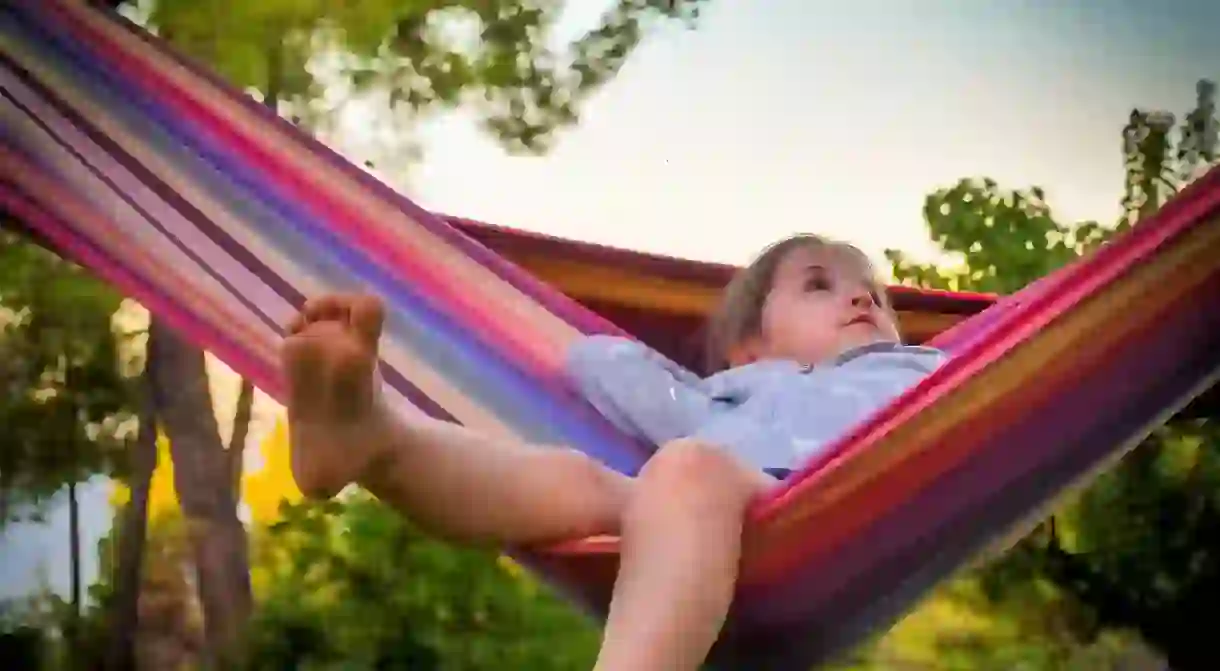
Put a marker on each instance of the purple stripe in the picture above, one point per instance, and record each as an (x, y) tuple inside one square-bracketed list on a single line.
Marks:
[(190, 213), (154, 184), (544, 294), (151, 293), (125, 198), (934, 532), (1153, 354), (392, 376), (291, 215), (551, 418), (884, 593)]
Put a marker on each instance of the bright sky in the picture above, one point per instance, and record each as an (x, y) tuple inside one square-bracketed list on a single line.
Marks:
[(812, 115), (793, 115)]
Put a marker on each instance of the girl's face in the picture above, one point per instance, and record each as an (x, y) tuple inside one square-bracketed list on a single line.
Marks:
[(823, 301)]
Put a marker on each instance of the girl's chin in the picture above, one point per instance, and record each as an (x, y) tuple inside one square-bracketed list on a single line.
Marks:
[(864, 339), (863, 334)]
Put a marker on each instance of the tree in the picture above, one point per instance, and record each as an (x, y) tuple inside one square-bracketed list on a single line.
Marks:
[(407, 56), (66, 414), (169, 622), (352, 582), (64, 402), (204, 484), (1137, 549), (414, 58), (122, 604), (65, 405)]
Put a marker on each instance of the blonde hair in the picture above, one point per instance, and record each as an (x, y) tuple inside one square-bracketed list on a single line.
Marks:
[(738, 316)]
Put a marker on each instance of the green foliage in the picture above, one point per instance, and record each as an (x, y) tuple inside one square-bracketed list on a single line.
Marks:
[(352, 585), (32, 633), (64, 400), (24, 644), (494, 57), (1001, 240), (1155, 169), (1004, 239), (1135, 551), (1164, 498), (361, 589)]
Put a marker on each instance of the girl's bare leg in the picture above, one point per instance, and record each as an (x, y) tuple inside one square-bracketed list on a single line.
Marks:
[(681, 520), (451, 481), (681, 544)]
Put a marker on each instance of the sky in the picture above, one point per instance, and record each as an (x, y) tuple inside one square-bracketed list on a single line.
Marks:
[(798, 115), (839, 118)]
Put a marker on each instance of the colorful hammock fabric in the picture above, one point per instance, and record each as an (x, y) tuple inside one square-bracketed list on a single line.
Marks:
[(219, 217)]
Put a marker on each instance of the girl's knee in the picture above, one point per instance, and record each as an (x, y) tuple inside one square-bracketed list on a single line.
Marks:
[(692, 468), (585, 498), (584, 470)]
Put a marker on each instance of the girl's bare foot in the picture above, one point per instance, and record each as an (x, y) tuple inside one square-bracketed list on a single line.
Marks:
[(329, 360)]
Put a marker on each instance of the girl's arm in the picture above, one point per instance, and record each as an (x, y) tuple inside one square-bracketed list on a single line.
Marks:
[(643, 393)]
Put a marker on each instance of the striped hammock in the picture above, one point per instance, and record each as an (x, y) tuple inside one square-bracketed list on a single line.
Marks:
[(220, 217)]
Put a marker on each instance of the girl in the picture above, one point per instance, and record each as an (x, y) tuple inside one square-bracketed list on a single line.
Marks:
[(805, 345)]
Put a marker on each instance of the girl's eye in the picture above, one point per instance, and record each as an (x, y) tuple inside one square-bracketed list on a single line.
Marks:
[(817, 283)]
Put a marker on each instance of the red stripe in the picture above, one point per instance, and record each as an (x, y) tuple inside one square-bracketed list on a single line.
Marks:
[(545, 294), (901, 482), (376, 242), (1077, 282), (713, 275), (263, 375)]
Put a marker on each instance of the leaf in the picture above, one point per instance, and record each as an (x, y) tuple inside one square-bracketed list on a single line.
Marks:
[(63, 396), (1135, 551), (415, 54)]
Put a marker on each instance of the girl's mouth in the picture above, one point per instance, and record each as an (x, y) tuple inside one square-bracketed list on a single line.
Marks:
[(862, 319)]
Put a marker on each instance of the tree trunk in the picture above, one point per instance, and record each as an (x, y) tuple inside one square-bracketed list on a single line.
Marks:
[(241, 431), (74, 546), (72, 630), (123, 615), (203, 481)]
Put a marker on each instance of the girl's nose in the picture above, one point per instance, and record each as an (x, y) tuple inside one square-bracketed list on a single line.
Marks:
[(862, 298)]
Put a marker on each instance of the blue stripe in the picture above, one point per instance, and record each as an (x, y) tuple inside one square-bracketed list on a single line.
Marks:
[(476, 367)]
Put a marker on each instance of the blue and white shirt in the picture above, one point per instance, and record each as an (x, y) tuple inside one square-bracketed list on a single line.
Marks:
[(772, 414)]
